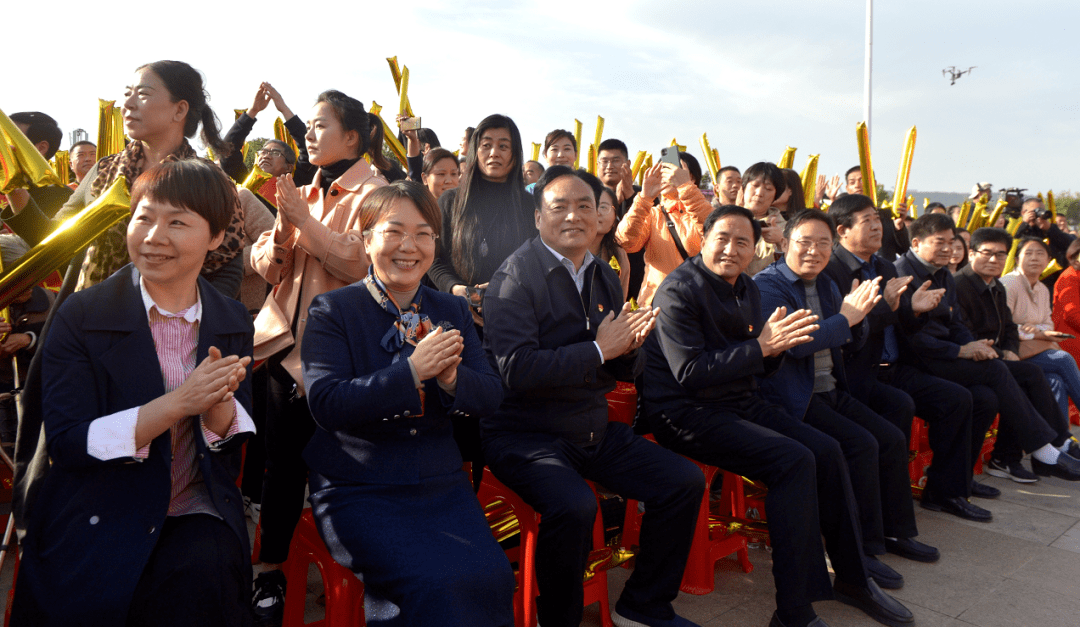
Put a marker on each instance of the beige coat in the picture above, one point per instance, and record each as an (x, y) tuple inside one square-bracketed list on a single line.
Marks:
[(326, 254)]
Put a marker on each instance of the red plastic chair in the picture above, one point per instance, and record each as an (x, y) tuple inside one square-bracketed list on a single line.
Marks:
[(344, 592), (499, 502)]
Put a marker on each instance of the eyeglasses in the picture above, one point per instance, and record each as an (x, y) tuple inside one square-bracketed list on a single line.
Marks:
[(824, 245), (395, 237), (605, 208), (610, 162), (993, 254), (270, 152)]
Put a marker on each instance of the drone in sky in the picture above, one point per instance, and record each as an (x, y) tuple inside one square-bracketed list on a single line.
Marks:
[(953, 74)]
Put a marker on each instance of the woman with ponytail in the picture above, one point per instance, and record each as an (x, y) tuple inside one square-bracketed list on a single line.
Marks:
[(314, 247), (164, 105)]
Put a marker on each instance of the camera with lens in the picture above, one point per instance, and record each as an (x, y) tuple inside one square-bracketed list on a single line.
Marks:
[(1043, 214)]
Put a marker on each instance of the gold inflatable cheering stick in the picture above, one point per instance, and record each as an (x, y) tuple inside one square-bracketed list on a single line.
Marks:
[(911, 206), (255, 180), (978, 215), (869, 184), (592, 159), (61, 165), (965, 211), (709, 161), (110, 128), (787, 159), (22, 164), (808, 176), (536, 152), (389, 137), (396, 73), (577, 142), (596, 142), (904, 173), (71, 236), (1001, 204), (5, 313), (1051, 205), (639, 160), (403, 92), (282, 135)]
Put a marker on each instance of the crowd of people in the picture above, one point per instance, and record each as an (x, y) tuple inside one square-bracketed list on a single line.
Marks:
[(472, 310)]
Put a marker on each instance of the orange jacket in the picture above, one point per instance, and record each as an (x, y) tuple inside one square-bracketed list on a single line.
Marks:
[(326, 254), (644, 226), (1066, 310)]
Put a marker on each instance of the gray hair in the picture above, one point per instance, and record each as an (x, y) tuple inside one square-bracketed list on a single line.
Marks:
[(12, 248)]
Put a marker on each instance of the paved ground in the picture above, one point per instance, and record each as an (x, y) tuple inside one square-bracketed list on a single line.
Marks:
[(1023, 569)]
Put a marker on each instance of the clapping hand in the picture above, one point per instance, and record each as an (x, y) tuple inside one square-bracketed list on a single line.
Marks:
[(860, 300), (292, 209), (782, 331), (925, 299), (438, 355)]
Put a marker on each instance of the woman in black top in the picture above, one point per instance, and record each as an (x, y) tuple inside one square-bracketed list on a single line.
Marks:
[(488, 216)]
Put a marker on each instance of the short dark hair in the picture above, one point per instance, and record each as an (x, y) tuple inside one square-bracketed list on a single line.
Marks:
[(428, 136), (84, 142), (538, 164), (809, 215), (986, 234), (613, 144), (557, 134), (434, 156), (929, 223), (857, 168), (1028, 239), (194, 184), (693, 166), (727, 168), (765, 170), (559, 171), (382, 200), (40, 128), (724, 211), (285, 148), (1030, 200), (934, 205), (845, 207)]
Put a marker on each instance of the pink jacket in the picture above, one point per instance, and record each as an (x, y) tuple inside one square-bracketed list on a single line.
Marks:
[(326, 254)]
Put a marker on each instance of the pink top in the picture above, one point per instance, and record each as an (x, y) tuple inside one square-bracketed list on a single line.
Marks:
[(1029, 304)]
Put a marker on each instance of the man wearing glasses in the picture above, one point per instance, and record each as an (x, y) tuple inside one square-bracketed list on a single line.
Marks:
[(945, 347), (983, 300)]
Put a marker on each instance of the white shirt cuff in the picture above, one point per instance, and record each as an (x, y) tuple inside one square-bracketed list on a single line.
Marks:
[(241, 423), (597, 345), (113, 436)]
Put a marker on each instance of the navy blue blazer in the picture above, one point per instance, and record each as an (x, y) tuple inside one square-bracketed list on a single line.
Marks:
[(98, 521), (944, 331), (793, 385), (371, 426)]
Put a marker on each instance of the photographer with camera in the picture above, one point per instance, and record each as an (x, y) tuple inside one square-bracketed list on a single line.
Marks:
[(1038, 223)]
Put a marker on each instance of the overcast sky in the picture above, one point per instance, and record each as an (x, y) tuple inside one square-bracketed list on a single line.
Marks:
[(757, 76)]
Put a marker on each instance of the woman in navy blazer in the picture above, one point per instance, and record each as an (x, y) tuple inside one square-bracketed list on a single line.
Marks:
[(387, 365), (115, 536)]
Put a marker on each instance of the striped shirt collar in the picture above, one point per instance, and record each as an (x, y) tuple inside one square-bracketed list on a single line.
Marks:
[(191, 314)]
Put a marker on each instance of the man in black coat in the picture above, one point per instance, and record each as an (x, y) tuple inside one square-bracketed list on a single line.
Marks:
[(702, 400), (898, 391), (985, 309), (946, 348), (557, 332)]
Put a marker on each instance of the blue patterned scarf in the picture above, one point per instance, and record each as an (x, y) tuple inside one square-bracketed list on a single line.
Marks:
[(411, 325)]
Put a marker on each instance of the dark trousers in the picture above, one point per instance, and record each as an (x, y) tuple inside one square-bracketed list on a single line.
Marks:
[(549, 474), (809, 490), (289, 426), (197, 575), (1022, 424), (877, 459), (1031, 378), (251, 485), (946, 408)]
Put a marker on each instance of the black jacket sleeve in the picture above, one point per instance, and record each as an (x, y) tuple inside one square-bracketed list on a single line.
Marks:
[(305, 170), (235, 137)]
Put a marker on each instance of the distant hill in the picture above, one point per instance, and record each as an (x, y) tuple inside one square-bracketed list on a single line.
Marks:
[(945, 198)]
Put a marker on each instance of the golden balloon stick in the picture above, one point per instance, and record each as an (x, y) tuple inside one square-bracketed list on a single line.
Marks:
[(965, 211), (911, 206), (389, 137), (638, 161), (596, 140), (925, 203), (808, 176), (396, 73), (24, 159), (1010, 260), (110, 129), (1050, 269), (787, 159), (1051, 205), (592, 159), (716, 159), (239, 112), (282, 134), (71, 236), (536, 152), (902, 175), (256, 179), (5, 313), (61, 164), (707, 151), (577, 143), (869, 184), (1001, 204), (403, 92)]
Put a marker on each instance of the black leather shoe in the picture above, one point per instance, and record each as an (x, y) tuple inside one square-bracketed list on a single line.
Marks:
[(1067, 468), (885, 576), (912, 549), (877, 604), (983, 491), (776, 622), (957, 507), (1074, 449)]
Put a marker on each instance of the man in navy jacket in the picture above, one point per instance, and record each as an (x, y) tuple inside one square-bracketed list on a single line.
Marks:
[(552, 333), (812, 384), (702, 400), (895, 390)]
